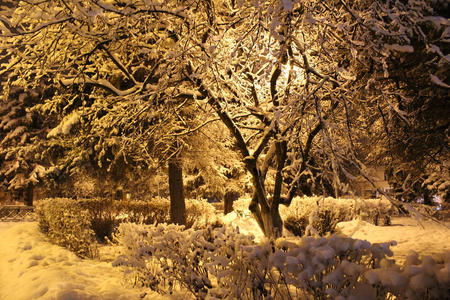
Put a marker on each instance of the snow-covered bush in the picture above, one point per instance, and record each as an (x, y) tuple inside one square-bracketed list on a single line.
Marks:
[(221, 263), (375, 211), (67, 225), (323, 214), (160, 256), (156, 210), (419, 278), (241, 205), (103, 213), (200, 213)]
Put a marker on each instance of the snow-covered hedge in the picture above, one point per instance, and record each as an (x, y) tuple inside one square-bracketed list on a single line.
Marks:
[(67, 224), (221, 263), (200, 213), (156, 210), (323, 214), (104, 215)]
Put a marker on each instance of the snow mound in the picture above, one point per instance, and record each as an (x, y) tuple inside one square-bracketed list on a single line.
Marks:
[(33, 268)]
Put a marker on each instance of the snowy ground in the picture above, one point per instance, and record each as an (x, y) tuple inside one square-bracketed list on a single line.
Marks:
[(33, 268), (431, 239)]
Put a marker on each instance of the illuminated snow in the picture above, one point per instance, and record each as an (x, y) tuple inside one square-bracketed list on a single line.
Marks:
[(33, 268)]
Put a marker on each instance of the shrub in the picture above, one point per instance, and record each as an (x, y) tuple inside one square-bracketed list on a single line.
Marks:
[(306, 213), (323, 214), (221, 263), (241, 205), (375, 211), (103, 213), (67, 225), (160, 256), (200, 213), (153, 211)]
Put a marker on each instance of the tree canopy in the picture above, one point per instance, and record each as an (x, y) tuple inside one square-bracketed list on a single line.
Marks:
[(309, 90)]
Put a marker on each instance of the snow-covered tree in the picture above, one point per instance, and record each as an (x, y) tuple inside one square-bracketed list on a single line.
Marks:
[(20, 128), (293, 81)]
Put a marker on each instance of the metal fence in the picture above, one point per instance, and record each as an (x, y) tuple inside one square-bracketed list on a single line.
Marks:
[(17, 213)]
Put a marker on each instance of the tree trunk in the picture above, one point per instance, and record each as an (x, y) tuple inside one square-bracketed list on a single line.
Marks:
[(176, 190), (229, 198), (266, 214), (29, 195)]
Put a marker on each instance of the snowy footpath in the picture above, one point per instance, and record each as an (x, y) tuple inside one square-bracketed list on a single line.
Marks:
[(33, 268)]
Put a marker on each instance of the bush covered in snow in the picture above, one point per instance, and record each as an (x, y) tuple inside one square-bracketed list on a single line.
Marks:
[(221, 263), (67, 224), (200, 213), (240, 206), (156, 210), (161, 256), (323, 214), (104, 215)]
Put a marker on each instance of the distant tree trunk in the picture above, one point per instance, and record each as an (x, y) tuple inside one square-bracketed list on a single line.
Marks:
[(119, 194), (176, 190), (427, 198), (229, 198), (29, 195)]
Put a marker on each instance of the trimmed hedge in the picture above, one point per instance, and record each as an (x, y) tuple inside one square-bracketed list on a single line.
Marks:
[(68, 225), (323, 214), (102, 216)]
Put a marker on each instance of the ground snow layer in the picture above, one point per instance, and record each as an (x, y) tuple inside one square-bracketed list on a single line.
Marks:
[(33, 268)]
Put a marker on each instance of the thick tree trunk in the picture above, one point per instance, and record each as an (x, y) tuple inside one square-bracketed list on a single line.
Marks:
[(266, 214), (176, 190)]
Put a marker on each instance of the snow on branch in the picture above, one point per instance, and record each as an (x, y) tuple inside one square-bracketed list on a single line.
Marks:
[(15, 32), (65, 126), (102, 83), (437, 81)]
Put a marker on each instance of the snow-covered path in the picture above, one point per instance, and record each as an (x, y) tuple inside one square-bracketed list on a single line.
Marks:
[(33, 268)]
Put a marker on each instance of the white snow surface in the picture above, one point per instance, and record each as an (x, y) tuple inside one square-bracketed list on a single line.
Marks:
[(33, 268), (426, 238)]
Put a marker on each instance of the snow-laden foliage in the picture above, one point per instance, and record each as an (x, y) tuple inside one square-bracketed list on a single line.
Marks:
[(102, 216), (151, 211), (320, 215), (221, 263), (309, 91), (160, 256), (200, 213), (323, 214), (67, 225), (438, 181), (22, 141)]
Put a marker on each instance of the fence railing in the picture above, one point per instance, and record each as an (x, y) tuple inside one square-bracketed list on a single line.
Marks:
[(16, 213)]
